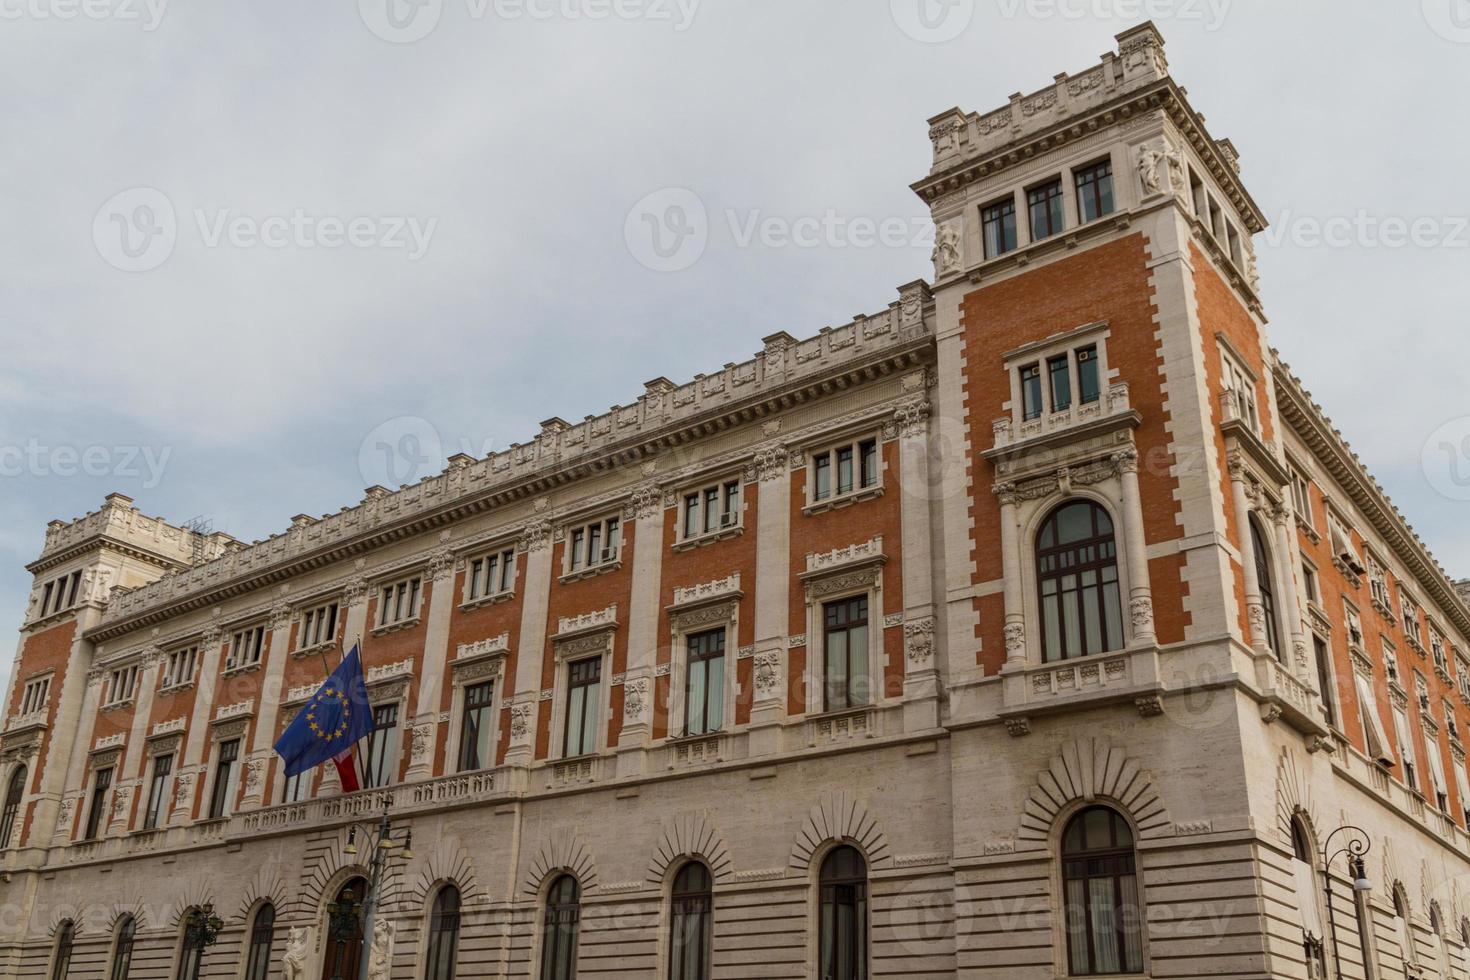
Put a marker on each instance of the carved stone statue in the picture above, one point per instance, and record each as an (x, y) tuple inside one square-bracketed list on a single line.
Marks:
[(1149, 158), (380, 959), (946, 249), (293, 964)]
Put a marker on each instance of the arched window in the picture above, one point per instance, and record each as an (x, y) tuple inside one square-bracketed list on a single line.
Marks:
[(15, 791), (61, 959), (443, 935), (1077, 574), (262, 937), (1266, 582), (1100, 884), (191, 945), (1402, 929), (559, 930), (1437, 940), (842, 935), (1308, 889), (690, 908), (122, 948)]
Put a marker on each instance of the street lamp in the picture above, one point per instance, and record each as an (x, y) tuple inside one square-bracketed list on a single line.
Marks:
[(1357, 845), (384, 842), (202, 927)]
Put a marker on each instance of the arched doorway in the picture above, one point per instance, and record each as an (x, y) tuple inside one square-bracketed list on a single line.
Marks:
[(342, 952)]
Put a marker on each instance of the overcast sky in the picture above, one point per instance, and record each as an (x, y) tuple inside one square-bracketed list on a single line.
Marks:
[(460, 183)]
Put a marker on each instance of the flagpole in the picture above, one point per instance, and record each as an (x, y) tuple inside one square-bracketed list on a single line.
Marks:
[(357, 760)]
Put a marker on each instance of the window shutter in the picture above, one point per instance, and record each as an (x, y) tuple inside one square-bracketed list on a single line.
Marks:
[(1307, 888), (1462, 784), (1375, 735), (1436, 765)]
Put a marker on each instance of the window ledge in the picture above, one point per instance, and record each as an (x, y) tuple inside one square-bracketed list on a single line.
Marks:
[(124, 703), (709, 537), (241, 669), (402, 624), (487, 600), (314, 648), (175, 688), (1383, 609), (596, 570), (834, 503)]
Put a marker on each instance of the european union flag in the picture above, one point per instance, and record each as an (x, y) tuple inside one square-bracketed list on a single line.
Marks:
[(332, 722)]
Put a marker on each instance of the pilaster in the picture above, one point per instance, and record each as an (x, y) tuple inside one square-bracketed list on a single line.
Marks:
[(772, 610)]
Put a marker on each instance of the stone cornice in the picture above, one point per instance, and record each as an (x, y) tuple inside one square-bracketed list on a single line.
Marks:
[(787, 373), (1307, 420)]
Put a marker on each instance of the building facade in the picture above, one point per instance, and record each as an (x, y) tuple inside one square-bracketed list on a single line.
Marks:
[(1039, 625)]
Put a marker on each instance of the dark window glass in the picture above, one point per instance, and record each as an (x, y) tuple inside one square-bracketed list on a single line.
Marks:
[(1059, 373), (1100, 883), (1077, 573), (1089, 387), (224, 771), (845, 646), (868, 455), (704, 688), (443, 935), (15, 791), (1045, 204), (1095, 191), (822, 476), (691, 515), (383, 745), (157, 790), (1324, 681), (844, 470), (691, 910), (583, 688), (1266, 583), (1031, 391), (999, 225), (842, 940), (122, 950), (477, 728), (559, 930), (61, 964), (262, 936), (100, 782), (191, 951)]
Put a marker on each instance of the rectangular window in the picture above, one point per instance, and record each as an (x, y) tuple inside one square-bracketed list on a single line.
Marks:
[(1324, 680), (1411, 617), (1242, 389), (1437, 650), (594, 544), (584, 679), (1407, 759), (1031, 405), (844, 470), (120, 685), (1301, 498), (477, 728), (1310, 587), (246, 647), (399, 602), (1197, 194), (998, 224), (1045, 205), (1233, 243), (318, 626), (1095, 191), (33, 698), (224, 779), (101, 781), (60, 594), (491, 575), (382, 755), (1354, 626), (297, 788), (158, 790), (179, 668), (845, 646), (711, 509), (704, 686), (1089, 385), (1059, 374)]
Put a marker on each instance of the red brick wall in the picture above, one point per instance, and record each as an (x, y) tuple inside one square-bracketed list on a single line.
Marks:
[(48, 648), (471, 626)]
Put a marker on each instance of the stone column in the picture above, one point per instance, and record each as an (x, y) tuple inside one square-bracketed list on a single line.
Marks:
[(921, 684), (1289, 561), (647, 510), (1255, 608), (135, 755), (772, 598), (79, 729), (524, 690), (272, 692), (354, 618), (1140, 591), (1013, 585), (423, 732), (192, 767)]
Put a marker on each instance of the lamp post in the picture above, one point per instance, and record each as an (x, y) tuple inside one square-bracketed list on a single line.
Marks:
[(1357, 845), (383, 843)]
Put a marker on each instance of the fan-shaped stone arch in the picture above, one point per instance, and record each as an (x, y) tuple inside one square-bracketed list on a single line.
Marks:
[(195, 892), (448, 861), (562, 850), (266, 886), (1294, 799), (133, 907), (333, 866), (1090, 769), (690, 835), (840, 817)]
